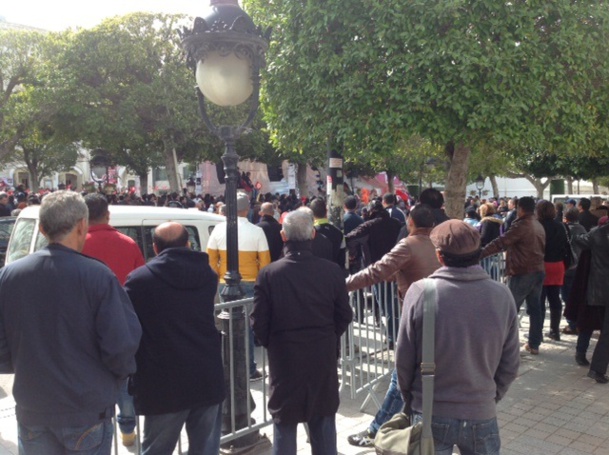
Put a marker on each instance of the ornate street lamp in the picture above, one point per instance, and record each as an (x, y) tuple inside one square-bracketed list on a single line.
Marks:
[(226, 51), (480, 185), (99, 168)]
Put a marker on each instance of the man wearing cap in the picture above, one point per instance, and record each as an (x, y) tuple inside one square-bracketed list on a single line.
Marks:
[(525, 243), (253, 256), (476, 344)]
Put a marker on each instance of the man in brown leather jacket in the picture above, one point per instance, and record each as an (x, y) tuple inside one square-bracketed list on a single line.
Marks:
[(412, 259), (525, 245)]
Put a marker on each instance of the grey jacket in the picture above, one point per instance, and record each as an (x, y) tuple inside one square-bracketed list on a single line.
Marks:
[(477, 352)]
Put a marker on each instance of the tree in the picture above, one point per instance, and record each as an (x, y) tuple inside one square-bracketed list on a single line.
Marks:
[(23, 55), (129, 92), (457, 73)]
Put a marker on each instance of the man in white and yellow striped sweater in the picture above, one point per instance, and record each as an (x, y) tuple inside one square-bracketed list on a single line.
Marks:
[(253, 256)]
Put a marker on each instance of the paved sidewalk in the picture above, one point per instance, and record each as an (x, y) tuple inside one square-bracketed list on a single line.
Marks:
[(552, 408)]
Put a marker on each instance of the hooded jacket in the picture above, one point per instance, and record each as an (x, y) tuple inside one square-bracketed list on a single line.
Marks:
[(179, 362)]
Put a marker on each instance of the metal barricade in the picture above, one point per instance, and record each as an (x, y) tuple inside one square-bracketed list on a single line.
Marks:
[(367, 356), (255, 407)]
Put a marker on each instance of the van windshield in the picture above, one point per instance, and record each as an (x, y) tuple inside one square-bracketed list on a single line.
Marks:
[(21, 239)]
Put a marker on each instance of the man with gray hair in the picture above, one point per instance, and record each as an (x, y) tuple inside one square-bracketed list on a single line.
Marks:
[(69, 334), (301, 309)]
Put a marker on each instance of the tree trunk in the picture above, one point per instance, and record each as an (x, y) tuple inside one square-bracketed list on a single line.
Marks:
[(569, 185), (493, 179), (143, 182), (456, 180), (301, 179), (595, 189), (170, 166), (335, 190), (390, 182)]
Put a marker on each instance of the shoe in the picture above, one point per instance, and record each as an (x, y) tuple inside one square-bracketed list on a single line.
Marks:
[(363, 439), (553, 336), (569, 331), (581, 360), (128, 439), (530, 350), (600, 378), (256, 376)]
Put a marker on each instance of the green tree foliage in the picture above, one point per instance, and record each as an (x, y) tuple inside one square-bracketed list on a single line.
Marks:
[(458, 73)]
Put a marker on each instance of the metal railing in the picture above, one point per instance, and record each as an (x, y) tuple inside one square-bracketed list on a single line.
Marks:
[(366, 362)]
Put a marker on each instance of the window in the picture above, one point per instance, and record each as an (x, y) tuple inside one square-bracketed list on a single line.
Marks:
[(22, 239)]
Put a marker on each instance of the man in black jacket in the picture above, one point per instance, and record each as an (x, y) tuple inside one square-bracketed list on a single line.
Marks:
[(179, 378), (301, 309), (272, 229)]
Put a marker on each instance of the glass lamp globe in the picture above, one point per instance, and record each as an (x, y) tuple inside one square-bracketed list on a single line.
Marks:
[(225, 80), (98, 171)]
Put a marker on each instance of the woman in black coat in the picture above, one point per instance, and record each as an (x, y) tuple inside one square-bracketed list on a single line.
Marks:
[(557, 245)]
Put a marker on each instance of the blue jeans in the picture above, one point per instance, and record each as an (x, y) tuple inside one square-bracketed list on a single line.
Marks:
[(248, 293), (386, 300), (322, 434), (528, 288), (203, 427), (94, 439), (392, 404), (472, 437), (126, 414)]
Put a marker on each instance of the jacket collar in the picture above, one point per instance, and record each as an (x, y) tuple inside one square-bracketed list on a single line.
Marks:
[(298, 248), (472, 273)]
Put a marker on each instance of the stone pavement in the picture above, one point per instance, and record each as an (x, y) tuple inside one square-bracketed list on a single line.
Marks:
[(552, 408)]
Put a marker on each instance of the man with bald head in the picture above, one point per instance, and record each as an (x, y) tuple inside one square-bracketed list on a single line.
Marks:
[(272, 229), (179, 378)]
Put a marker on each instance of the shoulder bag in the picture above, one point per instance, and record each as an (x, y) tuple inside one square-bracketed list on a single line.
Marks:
[(397, 436)]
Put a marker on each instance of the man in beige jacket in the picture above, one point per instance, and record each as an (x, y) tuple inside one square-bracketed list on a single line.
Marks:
[(412, 259)]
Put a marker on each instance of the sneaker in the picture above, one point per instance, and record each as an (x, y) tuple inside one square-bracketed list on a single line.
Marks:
[(128, 439), (363, 439), (256, 376)]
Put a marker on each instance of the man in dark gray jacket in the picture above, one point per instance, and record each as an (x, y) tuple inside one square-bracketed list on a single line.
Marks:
[(476, 335), (69, 333)]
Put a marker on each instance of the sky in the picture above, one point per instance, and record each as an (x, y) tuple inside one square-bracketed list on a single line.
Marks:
[(57, 15)]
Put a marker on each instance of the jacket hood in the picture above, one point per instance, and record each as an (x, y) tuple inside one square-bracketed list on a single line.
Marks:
[(492, 219), (183, 268), (472, 273)]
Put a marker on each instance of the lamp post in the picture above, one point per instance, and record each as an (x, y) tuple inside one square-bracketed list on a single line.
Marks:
[(480, 185), (226, 51), (191, 186), (99, 168)]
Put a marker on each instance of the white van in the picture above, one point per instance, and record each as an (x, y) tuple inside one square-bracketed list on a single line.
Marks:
[(138, 222)]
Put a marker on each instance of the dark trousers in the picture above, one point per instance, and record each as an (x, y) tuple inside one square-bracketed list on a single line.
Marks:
[(322, 434), (600, 358), (552, 293)]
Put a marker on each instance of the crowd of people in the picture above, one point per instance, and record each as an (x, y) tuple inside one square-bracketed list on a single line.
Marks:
[(84, 334)]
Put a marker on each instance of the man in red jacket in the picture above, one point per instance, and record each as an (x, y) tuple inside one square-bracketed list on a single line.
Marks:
[(122, 255)]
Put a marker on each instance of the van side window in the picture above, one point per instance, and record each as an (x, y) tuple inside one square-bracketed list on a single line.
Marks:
[(135, 232), (193, 237)]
